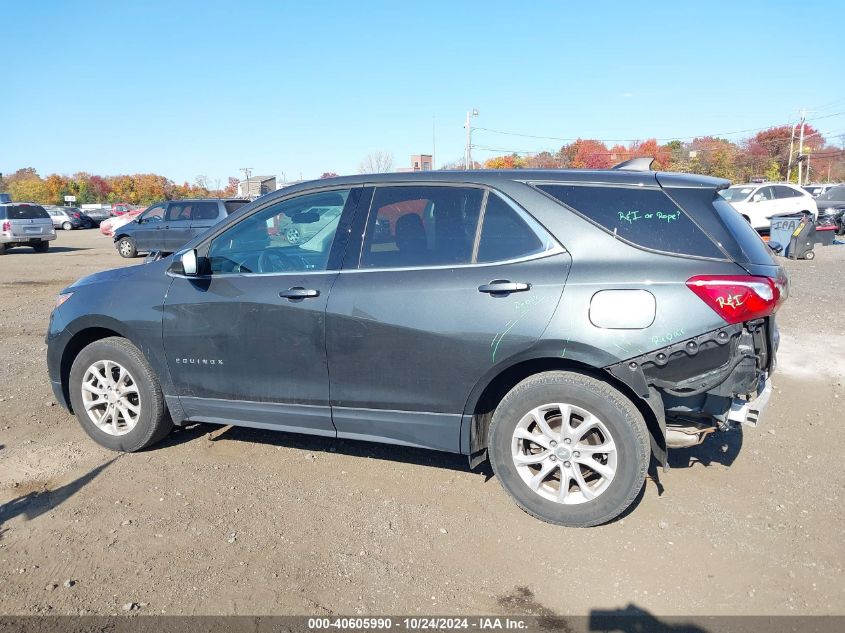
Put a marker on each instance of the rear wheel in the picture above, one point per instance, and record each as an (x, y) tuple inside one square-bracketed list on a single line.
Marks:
[(116, 396), (41, 247), (570, 449), (126, 247)]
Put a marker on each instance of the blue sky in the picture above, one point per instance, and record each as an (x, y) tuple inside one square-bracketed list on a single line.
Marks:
[(183, 88)]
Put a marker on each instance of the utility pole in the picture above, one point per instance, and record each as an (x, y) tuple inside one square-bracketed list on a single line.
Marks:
[(247, 171), (789, 162), (433, 140), (468, 148), (801, 148)]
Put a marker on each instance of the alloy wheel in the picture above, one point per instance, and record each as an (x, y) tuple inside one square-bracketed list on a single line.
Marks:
[(111, 398), (564, 453)]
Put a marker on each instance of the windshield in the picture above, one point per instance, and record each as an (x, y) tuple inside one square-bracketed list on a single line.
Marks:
[(736, 194), (834, 193)]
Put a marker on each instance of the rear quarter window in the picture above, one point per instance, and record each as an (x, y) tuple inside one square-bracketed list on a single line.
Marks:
[(26, 212), (234, 205), (643, 217)]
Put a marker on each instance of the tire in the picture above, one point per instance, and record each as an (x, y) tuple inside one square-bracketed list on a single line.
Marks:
[(3, 249), (150, 424), (67, 226), (613, 414), (127, 248), (809, 255), (41, 247)]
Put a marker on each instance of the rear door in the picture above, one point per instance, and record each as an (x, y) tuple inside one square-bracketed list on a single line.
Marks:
[(204, 215), (177, 225), (29, 221), (451, 282)]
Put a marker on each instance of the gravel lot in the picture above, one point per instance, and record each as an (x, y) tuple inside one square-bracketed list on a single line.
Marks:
[(239, 521)]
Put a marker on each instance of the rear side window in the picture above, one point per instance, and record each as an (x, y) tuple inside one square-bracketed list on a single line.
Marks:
[(234, 205), (504, 234), (643, 217), (26, 212), (179, 211), (205, 210), (421, 226)]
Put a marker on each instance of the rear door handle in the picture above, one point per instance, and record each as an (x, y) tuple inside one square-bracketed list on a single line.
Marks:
[(298, 293), (503, 286)]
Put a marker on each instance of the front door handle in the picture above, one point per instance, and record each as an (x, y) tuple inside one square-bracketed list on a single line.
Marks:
[(503, 286), (298, 293)]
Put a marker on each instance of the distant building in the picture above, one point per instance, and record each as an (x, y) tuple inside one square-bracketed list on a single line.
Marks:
[(256, 186), (419, 162), (288, 183)]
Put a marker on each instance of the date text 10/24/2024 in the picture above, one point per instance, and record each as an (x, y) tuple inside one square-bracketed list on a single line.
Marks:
[(418, 623)]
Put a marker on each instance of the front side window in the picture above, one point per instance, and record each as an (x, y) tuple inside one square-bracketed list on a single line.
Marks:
[(763, 194), (153, 214), (641, 216), (293, 235), (415, 226), (736, 194)]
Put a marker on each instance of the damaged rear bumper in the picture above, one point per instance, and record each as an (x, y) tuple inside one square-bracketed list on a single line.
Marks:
[(750, 412)]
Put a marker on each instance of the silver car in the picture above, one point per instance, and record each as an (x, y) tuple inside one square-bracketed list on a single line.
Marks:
[(25, 224)]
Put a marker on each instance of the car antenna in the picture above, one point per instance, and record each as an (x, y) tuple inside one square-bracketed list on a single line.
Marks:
[(642, 163)]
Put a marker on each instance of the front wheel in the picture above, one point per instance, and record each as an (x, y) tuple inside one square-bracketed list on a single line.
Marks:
[(116, 396), (126, 247), (570, 449), (67, 226)]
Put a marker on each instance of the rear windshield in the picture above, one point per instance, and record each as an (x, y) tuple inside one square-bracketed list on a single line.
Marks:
[(25, 212), (234, 205), (643, 217)]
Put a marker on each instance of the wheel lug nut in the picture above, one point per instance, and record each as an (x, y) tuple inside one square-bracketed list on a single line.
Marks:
[(567, 464), (553, 458), (567, 441), (577, 454), (552, 443)]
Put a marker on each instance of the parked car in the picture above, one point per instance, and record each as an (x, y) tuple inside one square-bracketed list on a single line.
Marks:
[(97, 215), (4, 198), (25, 224), (758, 203), (451, 332), (68, 218), (121, 208), (816, 190), (832, 208), (108, 227), (167, 226)]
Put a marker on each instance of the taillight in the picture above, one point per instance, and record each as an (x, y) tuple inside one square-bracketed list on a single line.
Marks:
[(738, 298), (7, 227)]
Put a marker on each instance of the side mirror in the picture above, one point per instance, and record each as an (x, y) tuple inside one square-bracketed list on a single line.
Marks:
[(189, 264)]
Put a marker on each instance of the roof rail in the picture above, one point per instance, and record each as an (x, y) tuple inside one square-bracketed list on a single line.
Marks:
[(636, 164)]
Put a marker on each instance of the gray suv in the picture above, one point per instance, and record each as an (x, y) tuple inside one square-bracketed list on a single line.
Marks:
[(167, 226), (569, 325), (25, 224)]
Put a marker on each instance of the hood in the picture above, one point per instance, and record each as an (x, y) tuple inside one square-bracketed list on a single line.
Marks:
[(830, 204), (115, 274)]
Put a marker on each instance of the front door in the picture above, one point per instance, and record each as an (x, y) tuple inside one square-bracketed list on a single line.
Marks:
[(432, 307), (147, 229), (246, 343)]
